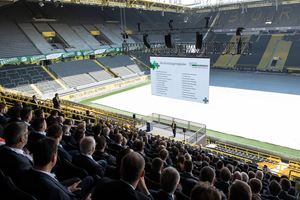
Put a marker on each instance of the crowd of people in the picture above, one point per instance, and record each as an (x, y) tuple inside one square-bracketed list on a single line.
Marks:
[(121, 164)]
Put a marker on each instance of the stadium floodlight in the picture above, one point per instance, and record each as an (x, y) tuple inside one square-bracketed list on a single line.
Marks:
[(171, 24), (41, 4), (239, 30), (206, 21), (139, 26)]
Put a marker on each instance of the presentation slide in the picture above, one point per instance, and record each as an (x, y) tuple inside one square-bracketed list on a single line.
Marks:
[(180, 78)]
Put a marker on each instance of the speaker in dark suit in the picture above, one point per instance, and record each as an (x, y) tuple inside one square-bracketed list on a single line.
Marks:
[(55, 101)]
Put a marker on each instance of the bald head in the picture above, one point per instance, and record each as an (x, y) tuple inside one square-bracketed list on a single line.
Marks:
[(163, 154), (237, 176), (118, 138), (87, 145)]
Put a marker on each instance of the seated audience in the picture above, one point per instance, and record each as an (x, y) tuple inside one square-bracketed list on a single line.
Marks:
[(157, 167), (140, 147), (100, 151), (3, 119), (188, 168), (118, 143), (40, 126), (256, 186), (286, 186), (180, 163), (223, 184)]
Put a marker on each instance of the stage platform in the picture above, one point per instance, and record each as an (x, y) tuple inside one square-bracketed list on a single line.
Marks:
[(262, 107)]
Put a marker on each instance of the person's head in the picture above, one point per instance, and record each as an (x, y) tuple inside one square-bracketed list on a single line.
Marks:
[(207, 174), (56, 95), (18, 104), (259, 174), (187, 156), (87, 145), (239, 190), (236, 176), (204, 190), (245, 167), (245, 177), (175, 152), (157, 164), (106, 131), (169, 180), (39, 113), (97, 130), (230, 167), (285, 184), (132, 167), (60, 119), (274, 188), (54, 113), (255, 185), (39, 124), (26, 114), (101, 143), (219, 165), (139, 146), (188, 166), (54, 131), (268, 176), (2, 108), (79, 134), (65, 129), (199, 157), (118, 138), (225, 174), (68, 122), (251, 175), (34, 97), (163, 154), (45, 152), (120, 155), (16, 134), (235, 163)]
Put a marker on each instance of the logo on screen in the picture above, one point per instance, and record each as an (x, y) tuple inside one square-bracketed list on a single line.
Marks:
[(154, 65)]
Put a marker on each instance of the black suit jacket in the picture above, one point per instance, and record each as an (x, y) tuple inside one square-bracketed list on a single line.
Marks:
[(55, 103), (108, 189), (108, 140), (63, 154), (109, 158), (34, 136), (224, 186), (50, 118), (160, 195), (35, 106), (12, 162), (3, 120), (69, 139), (42, 186), (116, 147), (154, 176), (285, 196), (145, 157), (189, 175), (88, 164)]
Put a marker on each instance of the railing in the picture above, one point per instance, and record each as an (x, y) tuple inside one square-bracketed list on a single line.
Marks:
[(275, 159)]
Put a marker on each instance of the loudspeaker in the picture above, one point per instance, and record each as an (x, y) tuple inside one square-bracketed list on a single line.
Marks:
[(168, 41), (133, 116), (198, 41), (149, 126), (146, 43)]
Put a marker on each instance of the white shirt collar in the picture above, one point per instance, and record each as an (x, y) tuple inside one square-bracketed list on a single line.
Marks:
[(19, 151), (26, 123), (91, 157), (42, 133), (127, 183)]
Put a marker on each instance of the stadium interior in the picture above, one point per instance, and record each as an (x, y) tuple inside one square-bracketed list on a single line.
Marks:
[(76, 49)]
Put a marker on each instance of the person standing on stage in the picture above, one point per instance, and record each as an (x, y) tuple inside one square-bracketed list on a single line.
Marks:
[(55, 100), (173, 126)]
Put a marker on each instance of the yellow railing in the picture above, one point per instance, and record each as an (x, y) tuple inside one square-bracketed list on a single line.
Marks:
[(294, 165), (249, 152)]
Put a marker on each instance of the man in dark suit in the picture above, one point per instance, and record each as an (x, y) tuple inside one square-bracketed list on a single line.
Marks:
[(26, 116), (223, 184), (67, 137), (188, 168), (157, 167), (85, 159), (173, 126), (55, 132), (52, 117), (40, 127), (132, 176), (118, 143), (164, 154), (56, 102), (42, 184), (106, 132), (239, 190), (140, 147), (286, 186), (100, 151), (169, 183), (13, 157), (35, 104), (3, 119)]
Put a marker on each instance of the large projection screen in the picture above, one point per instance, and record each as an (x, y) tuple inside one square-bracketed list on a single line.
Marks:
[(180, 78)]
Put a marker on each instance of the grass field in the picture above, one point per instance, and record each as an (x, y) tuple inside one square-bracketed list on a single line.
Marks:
[(210, 133)]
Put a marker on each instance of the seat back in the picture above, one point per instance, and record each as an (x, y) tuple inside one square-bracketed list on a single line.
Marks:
[(151, 184), (71, 171), (15, 192)]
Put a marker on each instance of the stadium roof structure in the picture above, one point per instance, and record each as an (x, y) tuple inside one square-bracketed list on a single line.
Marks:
[(175, 6)]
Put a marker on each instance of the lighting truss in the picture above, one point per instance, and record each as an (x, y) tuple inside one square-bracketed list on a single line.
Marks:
[(190, 48)]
